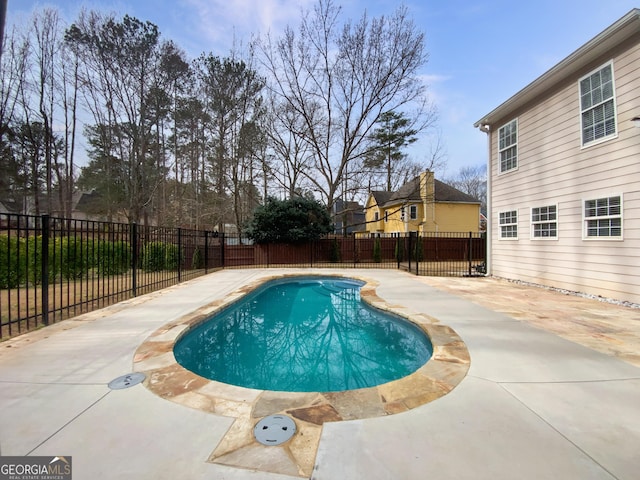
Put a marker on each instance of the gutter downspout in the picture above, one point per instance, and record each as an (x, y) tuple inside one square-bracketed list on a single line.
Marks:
[(486, 128)]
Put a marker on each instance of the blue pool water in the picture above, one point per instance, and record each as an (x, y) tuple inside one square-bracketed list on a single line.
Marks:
[(304, 335)]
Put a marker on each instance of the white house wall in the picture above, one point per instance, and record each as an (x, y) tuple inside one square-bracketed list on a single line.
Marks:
[(553, 169)]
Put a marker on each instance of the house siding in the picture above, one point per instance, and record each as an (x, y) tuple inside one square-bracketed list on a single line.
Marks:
[(457, 217), (554, 169), (453, 211), (371, 225)]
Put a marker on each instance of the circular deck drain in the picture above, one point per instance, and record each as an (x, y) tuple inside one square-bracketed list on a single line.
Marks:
[(126, 381), (274, 429)]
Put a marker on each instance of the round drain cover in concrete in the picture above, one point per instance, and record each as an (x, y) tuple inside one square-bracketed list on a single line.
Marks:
[(126, 381), (274, 429)]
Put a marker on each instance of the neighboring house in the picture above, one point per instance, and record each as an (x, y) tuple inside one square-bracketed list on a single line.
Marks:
[(347, 217), (9, 206), (84, 206), (422, 205), (564, 171)]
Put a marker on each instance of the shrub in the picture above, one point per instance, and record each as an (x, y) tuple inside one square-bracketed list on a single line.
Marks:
[(197, 262), (335, 255), (34, 260), (172, 257), (112, 258), (69, 257), (399, 250), (158, 256), (417, 251), (289, 221), (13, 261), (377, 250)]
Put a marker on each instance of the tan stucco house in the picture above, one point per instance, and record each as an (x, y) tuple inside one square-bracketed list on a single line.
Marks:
[(422, 205), (564, 171)]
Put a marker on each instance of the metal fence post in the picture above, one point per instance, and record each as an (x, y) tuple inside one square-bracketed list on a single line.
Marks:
[(206, 251), (409, 252), (44, 269), (470, 251), (133, 231), (417, 249), (179, 254), (355, 251), (222, 247)]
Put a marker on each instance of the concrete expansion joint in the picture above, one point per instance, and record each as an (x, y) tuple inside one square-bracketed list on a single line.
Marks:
[(68, 423), (80, 384), (554, 428), (567, 382)]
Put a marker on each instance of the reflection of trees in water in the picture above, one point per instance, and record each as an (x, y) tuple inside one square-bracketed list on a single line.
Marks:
[(304, 337)]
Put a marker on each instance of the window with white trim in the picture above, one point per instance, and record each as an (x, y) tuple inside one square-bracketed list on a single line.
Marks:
[(597, 105), (413, 212), (544, 222), (509, 224), (376, 216), (603, 218), (508, 146)]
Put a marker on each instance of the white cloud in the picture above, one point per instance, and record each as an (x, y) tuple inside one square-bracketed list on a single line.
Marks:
[(219, 21), (431, 79)]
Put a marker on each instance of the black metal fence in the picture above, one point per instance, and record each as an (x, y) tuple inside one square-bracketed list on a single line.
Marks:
[(55, 268), (436, 254)]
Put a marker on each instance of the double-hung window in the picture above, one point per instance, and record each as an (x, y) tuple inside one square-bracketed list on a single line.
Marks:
[(413, 212), (508, 146), (509, 225), (544, 222), (603, 218), (597, 105)]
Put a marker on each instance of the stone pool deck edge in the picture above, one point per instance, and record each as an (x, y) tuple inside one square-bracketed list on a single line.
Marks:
[(447, 367)]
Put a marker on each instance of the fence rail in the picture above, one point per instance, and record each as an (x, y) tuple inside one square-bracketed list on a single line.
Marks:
[(55, 268), (437, 254)]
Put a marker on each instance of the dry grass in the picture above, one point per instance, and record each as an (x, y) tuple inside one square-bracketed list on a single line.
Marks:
[(21, 309)]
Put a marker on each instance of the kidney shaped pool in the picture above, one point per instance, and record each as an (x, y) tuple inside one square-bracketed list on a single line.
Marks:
[(304, 334)]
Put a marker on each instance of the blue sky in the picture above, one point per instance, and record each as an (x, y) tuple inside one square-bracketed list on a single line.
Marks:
[(480, 52)]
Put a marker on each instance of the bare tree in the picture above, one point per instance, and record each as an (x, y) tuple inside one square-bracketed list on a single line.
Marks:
[(339, 78), (125, 70), (289, 153), (69, 75), (12, 79), (46, 44), (232, 89), (472, 180)]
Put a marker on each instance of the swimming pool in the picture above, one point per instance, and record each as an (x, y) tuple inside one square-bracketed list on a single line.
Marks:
[(304, 334)]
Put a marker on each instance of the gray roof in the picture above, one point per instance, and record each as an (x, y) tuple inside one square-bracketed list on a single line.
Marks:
[(381, 197), (410, 192), (447, 193)]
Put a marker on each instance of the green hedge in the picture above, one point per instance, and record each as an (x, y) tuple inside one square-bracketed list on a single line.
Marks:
[(157, 256), (112, 258), (377, 250), (197, 262), (13, 261), (72, 258)]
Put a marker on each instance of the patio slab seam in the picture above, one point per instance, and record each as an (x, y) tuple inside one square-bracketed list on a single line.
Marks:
[(557, 430)]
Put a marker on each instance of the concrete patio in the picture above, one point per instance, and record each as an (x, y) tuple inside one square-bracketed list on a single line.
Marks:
[(552, 392)]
